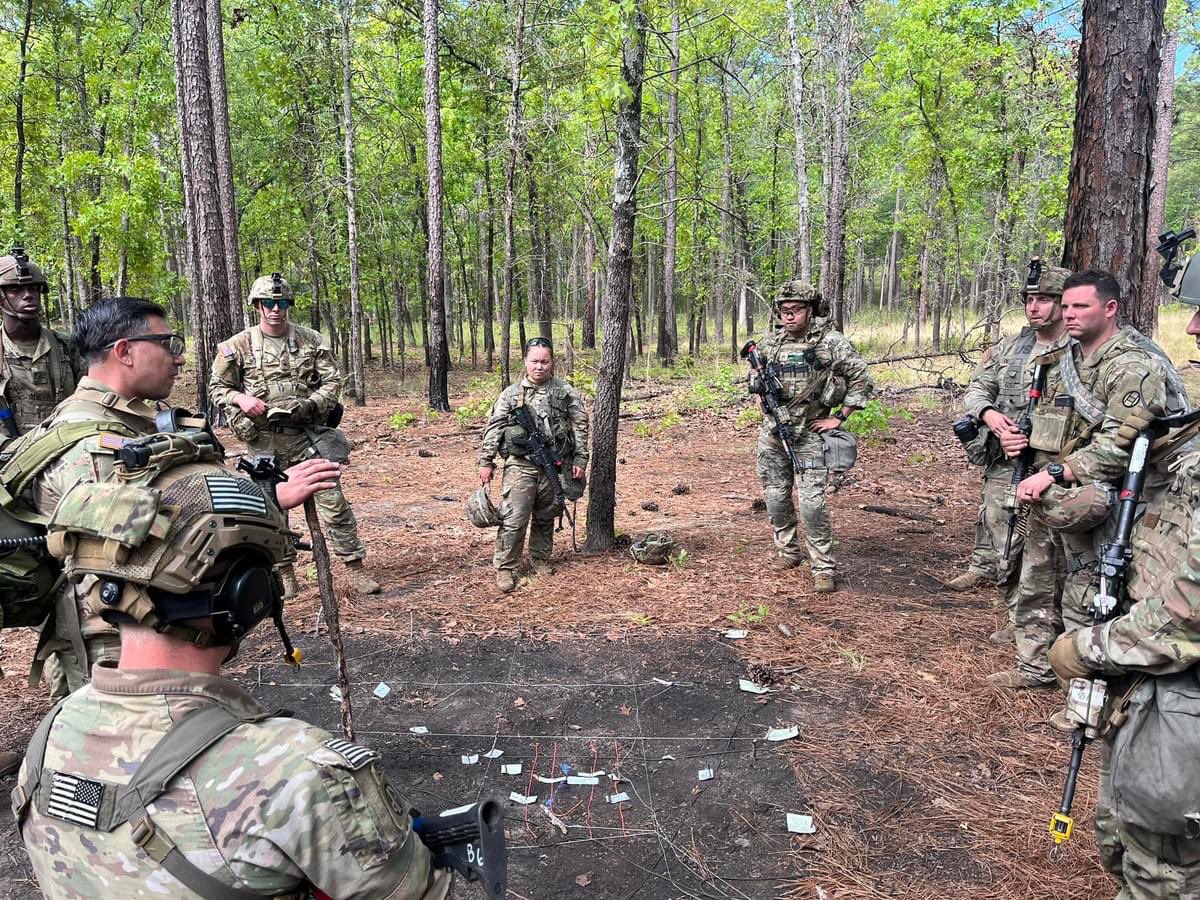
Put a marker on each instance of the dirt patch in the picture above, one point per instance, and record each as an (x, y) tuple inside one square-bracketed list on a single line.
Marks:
[(922, 779)]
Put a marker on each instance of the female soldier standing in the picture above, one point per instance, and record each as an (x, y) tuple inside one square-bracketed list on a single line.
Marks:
[(526, 494)]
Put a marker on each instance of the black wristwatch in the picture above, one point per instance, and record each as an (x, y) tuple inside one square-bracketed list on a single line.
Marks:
[(841, 415), (1055, 471)]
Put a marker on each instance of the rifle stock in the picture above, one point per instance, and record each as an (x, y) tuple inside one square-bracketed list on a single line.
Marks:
[(469, 840)]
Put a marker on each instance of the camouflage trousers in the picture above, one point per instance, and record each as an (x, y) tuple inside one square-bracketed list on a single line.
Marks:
[(333, 508), (526, 502), (991, 532), (1054, 593), (778, 478)]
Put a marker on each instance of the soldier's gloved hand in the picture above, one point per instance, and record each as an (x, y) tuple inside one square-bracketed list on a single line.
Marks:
[(1066, 661), (1138, 419)]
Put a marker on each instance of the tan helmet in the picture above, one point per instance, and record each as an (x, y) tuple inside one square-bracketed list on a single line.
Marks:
[(654, 549), (167, 544), (1044, 279), (480, 509), (270, 287), (16, 270), (797, 291)]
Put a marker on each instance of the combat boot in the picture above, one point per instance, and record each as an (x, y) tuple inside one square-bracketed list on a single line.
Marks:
[(363, 583), (783, 563), (1001, 636), (967, 581), (541, 567), (287, 573), (505, 581), (823, 582), (1016, 680), (9, 762)]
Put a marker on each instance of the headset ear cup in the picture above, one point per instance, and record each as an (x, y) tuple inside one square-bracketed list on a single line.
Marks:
[(248, 594)]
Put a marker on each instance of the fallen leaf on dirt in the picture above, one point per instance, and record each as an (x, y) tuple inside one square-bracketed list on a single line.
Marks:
[(519, 703), (583, 880), (926, 676), (625, 710)]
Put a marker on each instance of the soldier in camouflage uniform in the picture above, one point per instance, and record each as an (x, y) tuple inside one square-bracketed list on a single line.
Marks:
[(819, 369), (1149, 804), (996, 398), (38, 366), (133, 360), (526, 495), (162, 778), (278, 383), (1091, 385)]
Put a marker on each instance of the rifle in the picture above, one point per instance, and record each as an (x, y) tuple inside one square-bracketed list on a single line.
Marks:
[(7, 424), (469, 840), (542, 454), (1025, 459), (770, 389)]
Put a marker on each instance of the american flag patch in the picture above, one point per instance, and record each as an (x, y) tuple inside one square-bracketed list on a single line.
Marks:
[(74, 799), (354, 754), (226, 350), (235, 495), (112, 441)]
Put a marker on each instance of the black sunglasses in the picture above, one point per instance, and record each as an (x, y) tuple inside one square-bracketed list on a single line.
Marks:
[(538, 342), (173, 343), (271, 304)]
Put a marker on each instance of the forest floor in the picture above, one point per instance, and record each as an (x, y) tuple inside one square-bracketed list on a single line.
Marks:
[(921, 779)]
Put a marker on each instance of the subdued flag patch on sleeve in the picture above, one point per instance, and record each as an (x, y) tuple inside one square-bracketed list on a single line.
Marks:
[(357, 756), (235, 495), (75, 799), (226, 350)]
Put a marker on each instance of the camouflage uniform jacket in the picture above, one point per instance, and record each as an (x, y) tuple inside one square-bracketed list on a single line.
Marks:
[(89, 460), (34, 383), (1117, 376), (304, 370), (821, 354), (273, 807), (558, 410), (1002, 379), (1161, 632)]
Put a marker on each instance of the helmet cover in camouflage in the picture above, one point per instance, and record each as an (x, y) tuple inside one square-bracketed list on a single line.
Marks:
[(480, 509), (1078, 509), (653, 550), (1186, 288), (797, 291), (1043, 279), (160, 549), (270, 287), (17, 270)]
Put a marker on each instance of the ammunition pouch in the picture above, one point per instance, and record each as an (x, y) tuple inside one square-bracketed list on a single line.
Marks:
[(329, 443), (841, 450), (1050, 426)]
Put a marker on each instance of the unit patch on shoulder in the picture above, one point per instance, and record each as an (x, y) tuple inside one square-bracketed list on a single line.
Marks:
[(356, 755), (1132, 399)]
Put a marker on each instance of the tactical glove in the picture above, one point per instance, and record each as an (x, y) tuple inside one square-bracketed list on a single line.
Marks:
[(1139, 418), (1066, 661)]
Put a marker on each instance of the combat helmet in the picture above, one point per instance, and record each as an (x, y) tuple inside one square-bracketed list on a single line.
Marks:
[(480, 509), (17, 269), (270, 287), (653, 550), (176, 541), (1044, 279), (1183, 281), (797, 291)]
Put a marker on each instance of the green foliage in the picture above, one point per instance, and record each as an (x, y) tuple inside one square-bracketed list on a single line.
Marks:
[(680, 559), (749, 615), (472, 411), (874, 421), (401, 420), (749, 417)]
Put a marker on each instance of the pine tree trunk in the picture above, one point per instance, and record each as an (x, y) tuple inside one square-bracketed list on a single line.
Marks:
[(668, 335), (1152, 286), (1108, 195), (19, 104), (589, 291), (834, 279), (358, 380), (726, 291), (489, 256), (238, 311), (800, 155), (510, 198), (439, 391), (602, 496), (539, 288)]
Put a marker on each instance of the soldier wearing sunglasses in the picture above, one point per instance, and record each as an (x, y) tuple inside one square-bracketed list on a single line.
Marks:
[(278, 383)]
